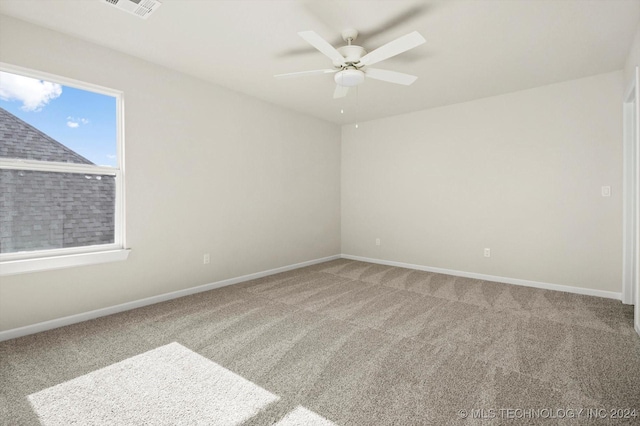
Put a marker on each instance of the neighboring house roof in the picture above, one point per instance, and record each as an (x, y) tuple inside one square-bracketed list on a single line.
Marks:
[(47, 210), (21, 140)]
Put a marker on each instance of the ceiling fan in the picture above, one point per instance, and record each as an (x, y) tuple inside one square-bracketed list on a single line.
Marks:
[(351, 63)]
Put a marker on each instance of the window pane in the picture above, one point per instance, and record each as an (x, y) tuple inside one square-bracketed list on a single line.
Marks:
[(48, 210), (45, 121)]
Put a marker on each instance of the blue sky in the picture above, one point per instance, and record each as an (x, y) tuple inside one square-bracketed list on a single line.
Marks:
[(83, 121)]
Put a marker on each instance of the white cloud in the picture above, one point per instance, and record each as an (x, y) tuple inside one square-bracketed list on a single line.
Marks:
[(111, 156), (75, 122), (34, 94)]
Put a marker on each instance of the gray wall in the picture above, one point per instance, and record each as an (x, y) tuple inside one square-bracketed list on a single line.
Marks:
[(633, 59), (520, 174), (207, 171)]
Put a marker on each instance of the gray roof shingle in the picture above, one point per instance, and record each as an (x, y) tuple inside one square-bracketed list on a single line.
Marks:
[(47, 210)]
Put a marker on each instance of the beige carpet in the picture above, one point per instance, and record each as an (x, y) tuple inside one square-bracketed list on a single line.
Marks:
[(170, 385), (355, 343)]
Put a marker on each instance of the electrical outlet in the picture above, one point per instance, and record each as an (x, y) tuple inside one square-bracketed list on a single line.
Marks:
[(487, 252), (377, 241), (606, 191), (206, 259)]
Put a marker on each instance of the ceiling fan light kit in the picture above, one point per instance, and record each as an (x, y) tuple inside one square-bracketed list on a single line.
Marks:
[(349, 77), (351, 63)]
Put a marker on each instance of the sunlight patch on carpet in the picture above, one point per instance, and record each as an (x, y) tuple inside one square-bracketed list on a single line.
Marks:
[(302, 416), (167, 385)]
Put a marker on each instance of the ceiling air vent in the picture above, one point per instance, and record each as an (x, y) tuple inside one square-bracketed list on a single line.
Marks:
[(140, 8)]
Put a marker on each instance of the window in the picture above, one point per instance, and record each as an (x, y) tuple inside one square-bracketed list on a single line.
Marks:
[(61, 172)]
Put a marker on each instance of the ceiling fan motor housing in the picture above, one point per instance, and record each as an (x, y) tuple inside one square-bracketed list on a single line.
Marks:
[(352, 54)]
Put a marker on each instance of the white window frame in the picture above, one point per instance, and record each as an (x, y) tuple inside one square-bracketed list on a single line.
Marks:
[(41, 260)]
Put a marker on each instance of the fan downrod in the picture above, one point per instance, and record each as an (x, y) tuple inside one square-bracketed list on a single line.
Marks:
[(349, 35)]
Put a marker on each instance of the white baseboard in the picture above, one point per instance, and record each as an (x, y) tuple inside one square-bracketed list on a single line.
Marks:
[(85, 316), (484, 277)]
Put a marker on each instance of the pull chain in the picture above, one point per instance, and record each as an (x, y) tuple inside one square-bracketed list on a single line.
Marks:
[(357, 105)]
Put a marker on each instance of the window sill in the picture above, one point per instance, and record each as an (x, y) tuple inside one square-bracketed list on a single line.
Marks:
[(22, 266)]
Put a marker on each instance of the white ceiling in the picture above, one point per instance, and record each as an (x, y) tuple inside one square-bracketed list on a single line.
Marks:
[(474, 48)]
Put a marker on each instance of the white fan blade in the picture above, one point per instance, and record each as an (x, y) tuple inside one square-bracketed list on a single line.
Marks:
[(322, 45), (340, 92), (390, 76), (304, 73), (393, 48)]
